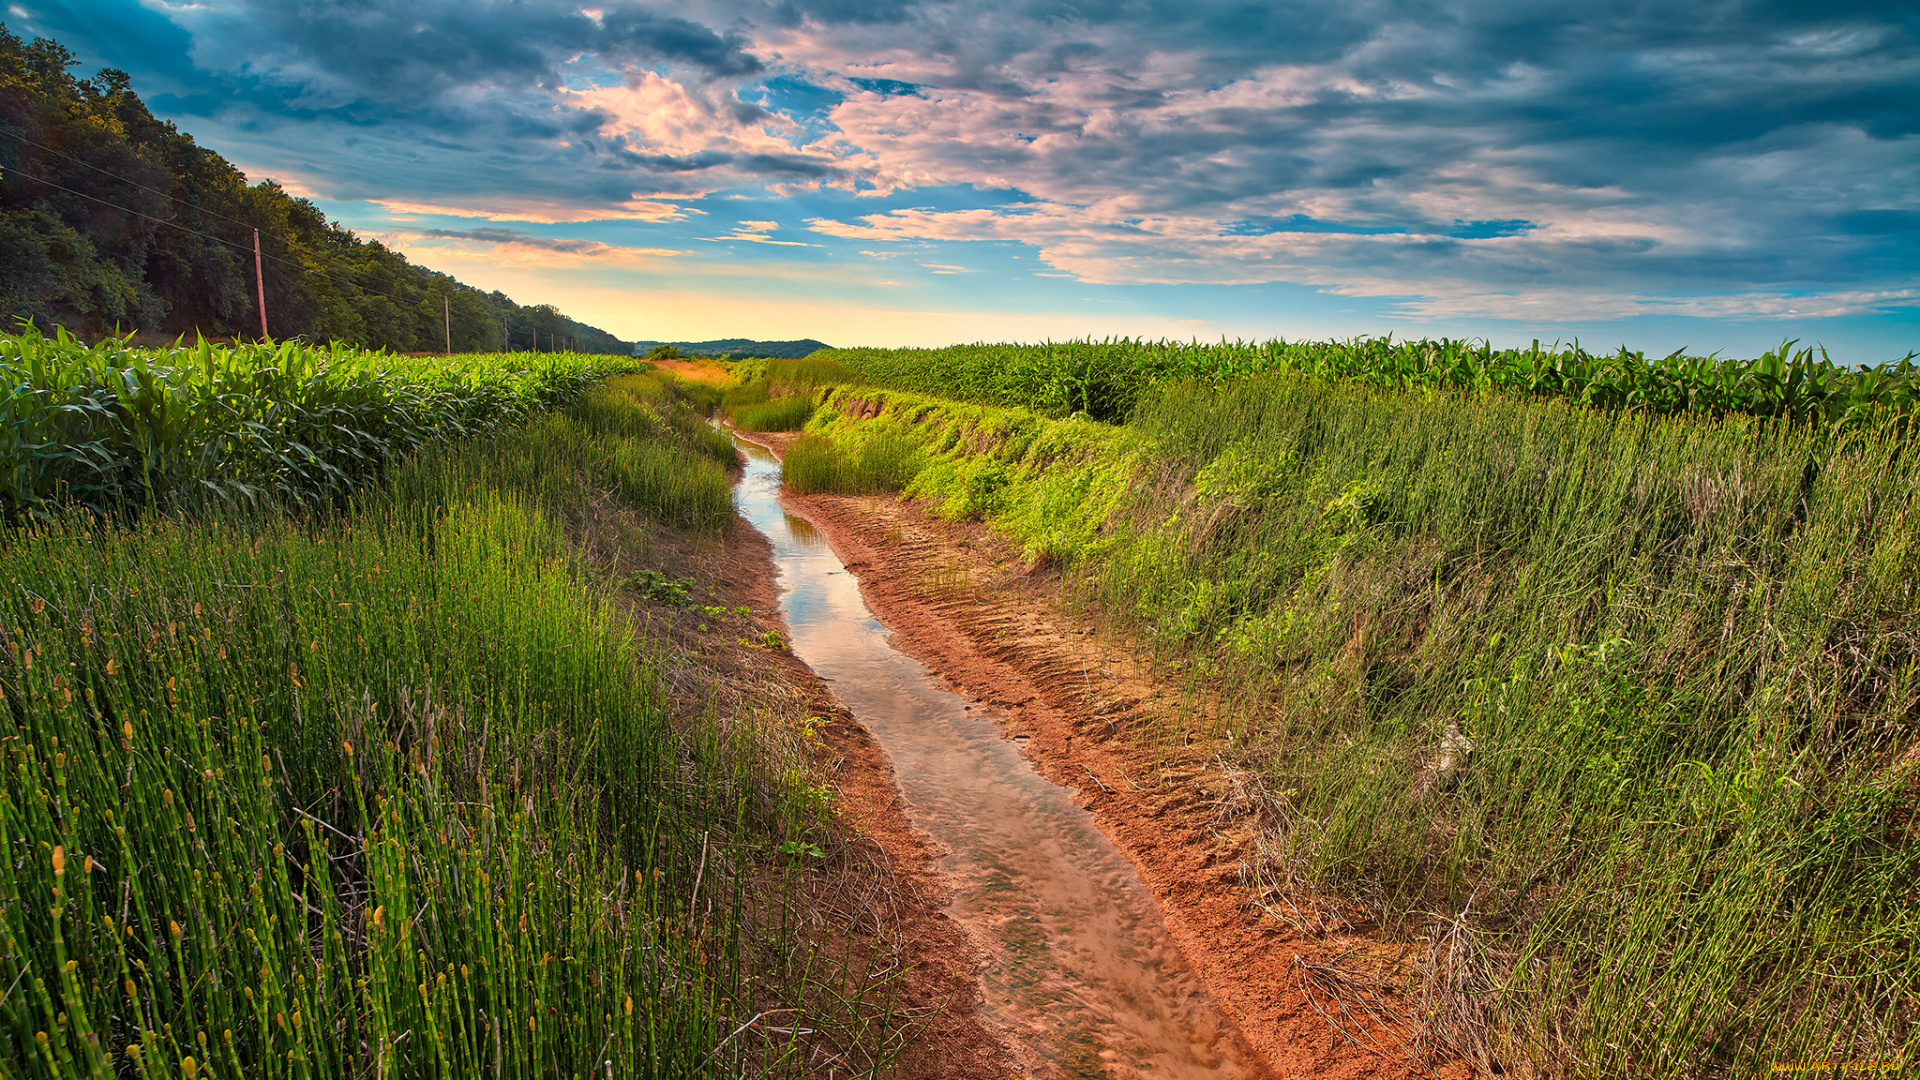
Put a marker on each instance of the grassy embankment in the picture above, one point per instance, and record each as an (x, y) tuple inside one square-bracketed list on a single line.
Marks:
[(1685, 649), (390, 785)]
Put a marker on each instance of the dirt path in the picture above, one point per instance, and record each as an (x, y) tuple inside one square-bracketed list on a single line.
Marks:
[(958, 600)]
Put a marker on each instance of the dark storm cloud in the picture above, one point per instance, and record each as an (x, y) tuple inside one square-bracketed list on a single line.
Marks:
[(122, 34), (454, 64)]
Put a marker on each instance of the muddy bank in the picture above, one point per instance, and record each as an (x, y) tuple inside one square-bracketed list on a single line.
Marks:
[(960, 602)]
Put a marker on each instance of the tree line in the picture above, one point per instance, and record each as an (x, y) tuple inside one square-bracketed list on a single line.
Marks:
[(113, 220)]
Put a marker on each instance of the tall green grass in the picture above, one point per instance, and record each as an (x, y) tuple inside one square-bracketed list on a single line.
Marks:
[(386, 792), (1681, 648), (1684, 650), (780, 414), (777, 395), (658, 454), (882, 463), (760, 379), (122, 429)]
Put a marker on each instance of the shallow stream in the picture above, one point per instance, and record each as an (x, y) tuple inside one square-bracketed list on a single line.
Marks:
[(1082, 976)]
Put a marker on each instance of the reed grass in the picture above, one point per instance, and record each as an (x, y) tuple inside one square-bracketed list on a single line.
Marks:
[(777, 395), (762, 378)]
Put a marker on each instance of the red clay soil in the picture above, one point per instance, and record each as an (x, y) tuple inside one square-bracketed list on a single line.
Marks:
[(959, 600)]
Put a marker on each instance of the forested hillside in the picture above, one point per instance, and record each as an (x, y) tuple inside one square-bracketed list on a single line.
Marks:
[(111, 218), (740, 347)]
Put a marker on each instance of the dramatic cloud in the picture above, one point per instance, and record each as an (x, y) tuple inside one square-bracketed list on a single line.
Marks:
[(1496, 161), (1516, 159), (447, 63)]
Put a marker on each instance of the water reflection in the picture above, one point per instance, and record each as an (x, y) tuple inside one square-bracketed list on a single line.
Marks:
[(804, 533), (1083, 977)]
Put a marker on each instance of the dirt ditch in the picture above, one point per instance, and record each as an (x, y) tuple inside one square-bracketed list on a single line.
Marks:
[(957, 600), (876, 892)]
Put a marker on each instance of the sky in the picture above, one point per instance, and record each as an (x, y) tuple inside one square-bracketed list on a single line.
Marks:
[(1713, 175)]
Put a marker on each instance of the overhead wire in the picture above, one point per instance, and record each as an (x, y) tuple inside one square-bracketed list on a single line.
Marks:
[(188, 229), (133, 183)]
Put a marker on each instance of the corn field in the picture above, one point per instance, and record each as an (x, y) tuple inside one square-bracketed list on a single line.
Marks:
[(120, 429), (1104, 379)]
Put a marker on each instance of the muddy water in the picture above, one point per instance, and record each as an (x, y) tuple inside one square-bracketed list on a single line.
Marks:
[(1082, 976)]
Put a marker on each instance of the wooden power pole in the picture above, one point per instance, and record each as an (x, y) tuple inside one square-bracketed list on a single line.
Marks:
[(260, 284), (446, 309)]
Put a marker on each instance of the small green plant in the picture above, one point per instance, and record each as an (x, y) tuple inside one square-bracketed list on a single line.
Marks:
[(656, 587)]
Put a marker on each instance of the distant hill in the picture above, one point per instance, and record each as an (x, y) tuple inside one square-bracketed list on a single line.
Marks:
[(778, 350), (90, 182)]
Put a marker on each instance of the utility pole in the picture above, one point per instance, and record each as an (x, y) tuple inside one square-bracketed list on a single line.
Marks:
[(260, 284), (446, 309)]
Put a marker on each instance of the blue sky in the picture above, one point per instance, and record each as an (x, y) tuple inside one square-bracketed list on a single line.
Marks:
[(1717, 175)]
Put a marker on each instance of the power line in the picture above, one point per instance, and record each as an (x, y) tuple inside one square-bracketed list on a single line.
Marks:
[(132, 183), (218, 240)]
